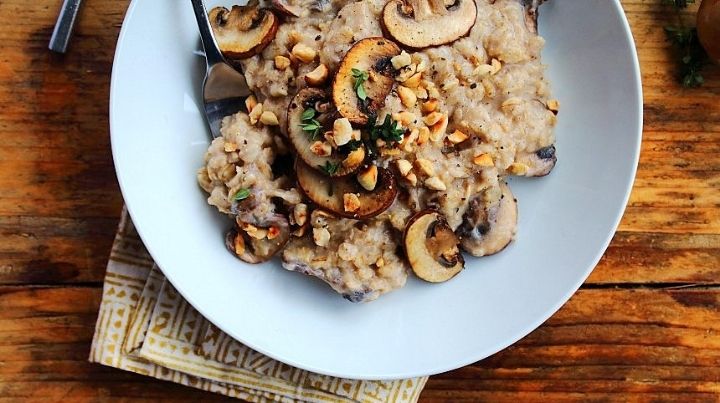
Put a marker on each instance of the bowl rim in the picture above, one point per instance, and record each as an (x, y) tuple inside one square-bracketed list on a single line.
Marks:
[(472, 358)]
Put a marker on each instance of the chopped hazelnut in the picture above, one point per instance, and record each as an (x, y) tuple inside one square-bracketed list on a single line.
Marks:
[(351, 202), (429, 106), (406, 72), (411, 178), (435, 183), (273, 232), (255, 232), (304, 53), (268, 118), (368, 178), (255, 113), (425, 166), (517, 168), (483, 160), (457, 137), (421, 93), (321, 236), (281, 62), (407, 96), (401, 60), (321, 148), (496, 66), (355, 158), (342, 131), (432, 118), (404, 117), (404, 166), (413, 81), (409, 140), (483, 70), (423, 136), (300, 214), (437, 131), (317, 77), (250, 103)]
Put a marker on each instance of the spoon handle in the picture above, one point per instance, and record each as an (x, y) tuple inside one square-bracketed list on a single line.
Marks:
[(64, 26), (212, 52)]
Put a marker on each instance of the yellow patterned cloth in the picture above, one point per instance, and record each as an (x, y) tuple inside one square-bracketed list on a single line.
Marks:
[(145, 326)]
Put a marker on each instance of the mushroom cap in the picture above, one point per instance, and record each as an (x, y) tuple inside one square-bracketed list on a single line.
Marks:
[(243, 31), (301, 140), (490, 222), (259, 250), (540, 162), (371, 55), (327, 193), (428, 24), (432, 248)]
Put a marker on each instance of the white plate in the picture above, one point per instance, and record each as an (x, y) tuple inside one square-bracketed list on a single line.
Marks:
[(566, 219)]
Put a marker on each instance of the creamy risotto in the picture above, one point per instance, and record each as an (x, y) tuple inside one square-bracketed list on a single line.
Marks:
[(379, 135)]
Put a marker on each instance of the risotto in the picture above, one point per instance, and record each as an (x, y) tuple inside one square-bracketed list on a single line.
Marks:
[(379, 135)]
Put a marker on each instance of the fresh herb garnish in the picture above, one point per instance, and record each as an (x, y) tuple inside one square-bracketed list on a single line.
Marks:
[(389, 130), (692, 54), (330, 167), (360, 77), (310, 124), (242, 194)]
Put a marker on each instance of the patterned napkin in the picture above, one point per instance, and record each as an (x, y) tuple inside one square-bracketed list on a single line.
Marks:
[(145, 326)]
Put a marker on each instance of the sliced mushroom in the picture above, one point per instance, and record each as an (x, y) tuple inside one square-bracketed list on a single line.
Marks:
[(286, 9), (539, 163), (253, 250), (490, 223), (302, 140), (423, 23), (328, 193), (371, 55), (243, 31), (432, 247)]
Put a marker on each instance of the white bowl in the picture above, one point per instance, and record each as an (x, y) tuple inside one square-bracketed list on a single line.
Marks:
[(566, 219)]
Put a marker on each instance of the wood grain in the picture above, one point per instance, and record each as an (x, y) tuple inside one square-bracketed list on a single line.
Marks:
[(645, 326), (660, 344)]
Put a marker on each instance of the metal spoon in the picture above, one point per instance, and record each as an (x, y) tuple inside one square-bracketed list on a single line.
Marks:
[(224, 88)]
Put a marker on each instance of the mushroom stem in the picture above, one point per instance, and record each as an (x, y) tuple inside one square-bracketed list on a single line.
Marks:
[(438, 7), (421, 9)]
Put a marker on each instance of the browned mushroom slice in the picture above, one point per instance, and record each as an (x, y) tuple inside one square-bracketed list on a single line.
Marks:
[(303, 117), (332, 194), (257, 242), (423, 23), (539, 163), (243, 31), (490, 223), (286, 9), (369, 57), (432, 247)]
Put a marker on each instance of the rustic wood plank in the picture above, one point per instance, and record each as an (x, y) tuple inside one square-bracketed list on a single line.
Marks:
[(661, 344)]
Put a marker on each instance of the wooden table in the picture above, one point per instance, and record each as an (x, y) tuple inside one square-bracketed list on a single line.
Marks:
[(645, 326)]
